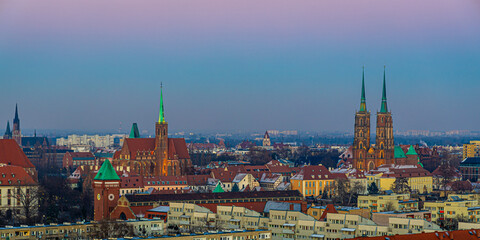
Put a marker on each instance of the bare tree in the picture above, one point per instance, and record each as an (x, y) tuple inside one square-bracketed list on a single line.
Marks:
[(446, 175), (355, 189), (389, 206), (27, 198), (112, 229), (401, 185)]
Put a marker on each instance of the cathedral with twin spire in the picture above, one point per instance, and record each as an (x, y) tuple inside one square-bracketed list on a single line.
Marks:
[(367, 157), (159, 156)]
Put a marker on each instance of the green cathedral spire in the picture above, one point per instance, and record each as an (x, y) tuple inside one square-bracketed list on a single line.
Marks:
[(363, 105), (384, 108), (134, 133), (161, 114)]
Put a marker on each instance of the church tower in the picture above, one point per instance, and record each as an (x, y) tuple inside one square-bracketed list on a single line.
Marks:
[(266, 140), (16, 133), (384, 146), (161, 143), (106, 190), (8, 132), (361, 142)]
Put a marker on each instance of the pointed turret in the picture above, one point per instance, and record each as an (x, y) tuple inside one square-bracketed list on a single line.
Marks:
[(16, 112), (161, 114), (16, 120), (8, 132), (134, 133), (363, 105), (384, 108), (106, 172)]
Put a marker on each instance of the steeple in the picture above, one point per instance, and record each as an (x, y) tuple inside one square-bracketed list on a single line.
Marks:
[(16, 112), (363, 105), (8, 132), (134, 133), (384, 108), (161, 114)]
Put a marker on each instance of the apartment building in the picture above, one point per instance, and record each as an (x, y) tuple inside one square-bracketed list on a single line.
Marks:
[(454, 207), (380, 203)]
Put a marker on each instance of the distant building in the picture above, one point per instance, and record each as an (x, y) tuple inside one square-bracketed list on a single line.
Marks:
[(75, 159), (16, 133), (89, 141), (469, 168), (266, 140), (471, 149)]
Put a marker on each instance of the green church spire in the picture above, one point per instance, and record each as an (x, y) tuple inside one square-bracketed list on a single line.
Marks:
[(384, 108), (106, 172), (134, 133), (161, 114), (363, 105)]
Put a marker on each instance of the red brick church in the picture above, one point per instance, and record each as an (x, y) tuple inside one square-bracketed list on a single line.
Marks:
[(159, 156)]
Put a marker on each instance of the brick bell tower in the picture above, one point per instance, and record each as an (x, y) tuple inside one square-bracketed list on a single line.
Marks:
[(361, 141), (161, 141), (106, 190), (384, 146)]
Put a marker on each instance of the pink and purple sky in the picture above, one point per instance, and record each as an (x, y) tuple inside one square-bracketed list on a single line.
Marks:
[(239, 65)]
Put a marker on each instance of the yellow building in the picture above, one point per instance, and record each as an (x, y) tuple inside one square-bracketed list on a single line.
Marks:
[(471, 149), (380, 203), (312, 181), (419, 179), (317, 211), (454, 207)]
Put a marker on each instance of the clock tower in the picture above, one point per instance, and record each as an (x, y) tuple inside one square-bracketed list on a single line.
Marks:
[(106, 190)]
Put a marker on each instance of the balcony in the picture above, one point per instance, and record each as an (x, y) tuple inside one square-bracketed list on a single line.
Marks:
[(288, 231)]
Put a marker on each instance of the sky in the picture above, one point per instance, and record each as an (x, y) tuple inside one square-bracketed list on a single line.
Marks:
[(238, 65)]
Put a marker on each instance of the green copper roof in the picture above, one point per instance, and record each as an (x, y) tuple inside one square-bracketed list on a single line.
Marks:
[(107, 172), (363, 105), (218, 189), (134, 132), (384, 108), (411, 150), (398, 152), (161, 114)]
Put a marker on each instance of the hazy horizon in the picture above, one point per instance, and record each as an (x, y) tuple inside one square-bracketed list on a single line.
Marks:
[(230, 66)]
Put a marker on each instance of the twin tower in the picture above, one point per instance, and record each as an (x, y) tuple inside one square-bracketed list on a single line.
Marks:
[(365, 156)]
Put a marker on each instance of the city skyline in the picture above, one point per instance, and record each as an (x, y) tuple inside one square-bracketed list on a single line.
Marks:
[(238, 68)]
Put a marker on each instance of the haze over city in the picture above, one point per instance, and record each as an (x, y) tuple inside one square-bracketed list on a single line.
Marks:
[(238, 65)]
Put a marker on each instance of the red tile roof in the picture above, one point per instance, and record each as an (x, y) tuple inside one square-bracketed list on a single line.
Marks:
[(12, 154), (329, 209), (15, 176), (139, 145), (449, 235), (318, 172), (177, 146), (131, 182), (197, 180), (279, 168), (81, 155)]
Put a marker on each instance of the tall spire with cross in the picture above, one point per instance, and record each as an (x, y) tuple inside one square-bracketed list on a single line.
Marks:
[(161, 114), (384, 108), (363, 105)]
